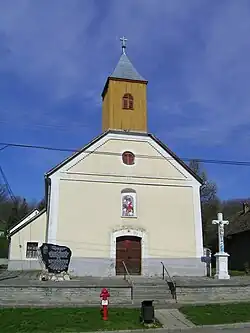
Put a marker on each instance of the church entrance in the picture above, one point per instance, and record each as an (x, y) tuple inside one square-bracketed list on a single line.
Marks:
[(128, 249)]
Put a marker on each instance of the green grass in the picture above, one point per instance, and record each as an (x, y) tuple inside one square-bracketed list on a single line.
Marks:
[(66, 320), (214, 314), (232, 273), (237, 273)]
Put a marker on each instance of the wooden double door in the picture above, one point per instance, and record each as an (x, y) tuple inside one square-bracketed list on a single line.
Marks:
[(128, 249)]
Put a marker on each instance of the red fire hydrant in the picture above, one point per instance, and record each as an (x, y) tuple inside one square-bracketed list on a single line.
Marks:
[(104, 301)]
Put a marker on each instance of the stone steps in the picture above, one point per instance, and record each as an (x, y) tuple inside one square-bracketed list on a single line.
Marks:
[(24, 290), (154, 289), (145, 280), (152, 294)]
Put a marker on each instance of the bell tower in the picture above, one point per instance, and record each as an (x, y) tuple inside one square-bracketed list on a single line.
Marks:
[(124, 97)]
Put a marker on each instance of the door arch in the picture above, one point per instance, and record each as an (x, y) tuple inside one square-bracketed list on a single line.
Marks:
[(128, 249)]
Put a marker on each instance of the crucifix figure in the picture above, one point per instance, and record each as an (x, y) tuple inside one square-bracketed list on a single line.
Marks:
[(221, 223), (123, 40)]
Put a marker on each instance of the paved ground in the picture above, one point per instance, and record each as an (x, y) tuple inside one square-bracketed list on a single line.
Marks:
[(206, 281), (20, 275), (3, 261), (180, 280), (211, 330), (230, 330), (32, 278), (172, 318), (189, 330)]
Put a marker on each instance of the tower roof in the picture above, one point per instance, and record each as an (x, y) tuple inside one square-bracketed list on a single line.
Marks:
[(125, 70)]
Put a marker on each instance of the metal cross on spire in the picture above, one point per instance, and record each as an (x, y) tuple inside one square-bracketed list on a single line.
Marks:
[(123, 40)]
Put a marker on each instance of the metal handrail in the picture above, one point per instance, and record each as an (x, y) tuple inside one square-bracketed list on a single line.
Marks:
[(164, 269), (131, 282), (171, 284), (127, 273)]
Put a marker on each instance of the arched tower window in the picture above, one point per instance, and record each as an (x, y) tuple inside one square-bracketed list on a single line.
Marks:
[(128, 102), (128, 202)]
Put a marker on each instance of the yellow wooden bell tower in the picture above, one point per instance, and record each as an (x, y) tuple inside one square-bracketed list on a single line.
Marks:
[(124, 97)]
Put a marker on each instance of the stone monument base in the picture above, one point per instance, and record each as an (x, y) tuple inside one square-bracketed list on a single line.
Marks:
[(45, 276), (222, 266)]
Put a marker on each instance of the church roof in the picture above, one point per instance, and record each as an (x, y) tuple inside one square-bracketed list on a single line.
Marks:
[(125, 70), (240, 222), (160, 143), (25, 221)]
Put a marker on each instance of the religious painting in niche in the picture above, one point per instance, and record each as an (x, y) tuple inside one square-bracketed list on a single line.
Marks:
[(128, 158), (128, 203), (128, 102)]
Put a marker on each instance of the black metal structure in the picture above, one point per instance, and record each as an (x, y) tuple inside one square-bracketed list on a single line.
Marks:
[(147, 312)]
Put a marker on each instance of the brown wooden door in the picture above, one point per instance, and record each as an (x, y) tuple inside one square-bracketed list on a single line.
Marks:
[(128, 249)]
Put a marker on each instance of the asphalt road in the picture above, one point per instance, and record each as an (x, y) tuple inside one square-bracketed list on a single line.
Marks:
[(212, 330), (223, 330), (201, 330)]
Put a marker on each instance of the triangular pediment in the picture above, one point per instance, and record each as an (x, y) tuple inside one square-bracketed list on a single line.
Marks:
[(104, 158)]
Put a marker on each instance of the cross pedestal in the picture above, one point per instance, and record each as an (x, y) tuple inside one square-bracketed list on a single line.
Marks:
[(222, 266), (221, 256)]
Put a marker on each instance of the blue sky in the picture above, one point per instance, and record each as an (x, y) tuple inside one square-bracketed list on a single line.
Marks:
[(55, 56)]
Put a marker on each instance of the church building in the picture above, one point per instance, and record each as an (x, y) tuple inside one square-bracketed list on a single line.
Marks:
[(124, 201)]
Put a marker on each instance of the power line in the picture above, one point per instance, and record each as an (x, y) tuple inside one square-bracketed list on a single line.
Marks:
[(3, 147), (33, 126), (7, 185), (202, 160), (18, 145)]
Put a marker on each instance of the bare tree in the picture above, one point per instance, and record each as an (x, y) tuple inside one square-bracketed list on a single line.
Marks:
[(210, 203)]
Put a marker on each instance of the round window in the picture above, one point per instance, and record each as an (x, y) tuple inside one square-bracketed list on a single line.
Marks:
[(128, 158)]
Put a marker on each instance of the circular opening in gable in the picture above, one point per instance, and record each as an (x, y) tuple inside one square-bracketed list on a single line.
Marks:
[(128, 158)]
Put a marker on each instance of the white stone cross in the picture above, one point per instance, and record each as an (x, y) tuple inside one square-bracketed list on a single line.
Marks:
[(221, 223)]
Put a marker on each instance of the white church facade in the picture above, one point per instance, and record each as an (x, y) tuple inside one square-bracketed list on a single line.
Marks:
[(125, 199)]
